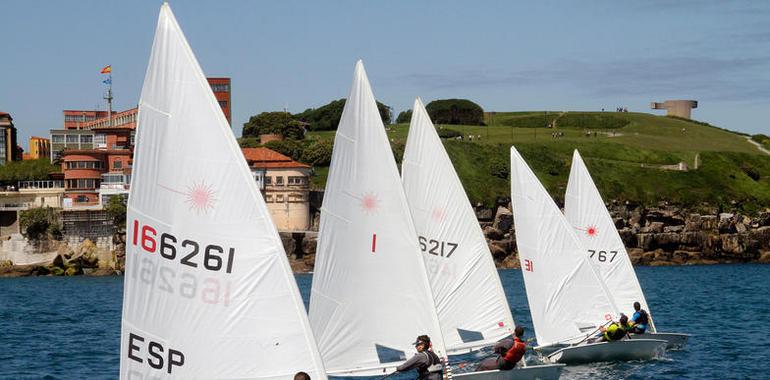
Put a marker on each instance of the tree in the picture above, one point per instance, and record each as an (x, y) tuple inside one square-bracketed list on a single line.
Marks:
[(282, 123), (40, 223), (116, 209), (28, 170), (327, 117), (290, 148), (319, 154), (404, 117), (455, 111)]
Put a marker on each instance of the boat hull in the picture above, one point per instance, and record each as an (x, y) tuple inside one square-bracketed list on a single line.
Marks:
[(624, 350), (542, 372), (675, 341)]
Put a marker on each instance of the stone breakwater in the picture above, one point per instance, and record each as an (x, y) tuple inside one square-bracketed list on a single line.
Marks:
[(664, 235)]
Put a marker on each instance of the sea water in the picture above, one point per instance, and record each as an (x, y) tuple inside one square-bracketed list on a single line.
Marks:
[(69, 327)]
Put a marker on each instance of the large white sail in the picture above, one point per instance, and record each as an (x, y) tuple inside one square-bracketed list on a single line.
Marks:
[(585, 210), (566, 296), (370, 297), (208, 289), (470, 300)]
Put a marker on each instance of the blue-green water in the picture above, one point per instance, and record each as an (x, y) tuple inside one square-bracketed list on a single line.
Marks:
[(69, 328)]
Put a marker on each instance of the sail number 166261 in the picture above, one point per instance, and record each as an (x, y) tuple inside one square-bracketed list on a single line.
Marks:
[(185, 250)]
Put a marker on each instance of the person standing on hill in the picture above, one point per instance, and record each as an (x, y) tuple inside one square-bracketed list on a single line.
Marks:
[(509, 353), (639, 320)]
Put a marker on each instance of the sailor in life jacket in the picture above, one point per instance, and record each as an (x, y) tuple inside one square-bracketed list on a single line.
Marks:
[(616, 330), (425, 361), (639, 320), (509, 353)]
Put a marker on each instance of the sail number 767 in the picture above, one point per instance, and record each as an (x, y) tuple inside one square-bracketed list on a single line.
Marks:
[(602, 255)]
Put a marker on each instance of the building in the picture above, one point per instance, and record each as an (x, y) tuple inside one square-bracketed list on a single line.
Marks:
[(96, 151), (39, 147), (285, 187), (678, 108), (8, 147), (221, 88)]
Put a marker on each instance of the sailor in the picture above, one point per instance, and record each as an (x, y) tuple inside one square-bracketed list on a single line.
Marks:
[(509, 353), (615, 331), (425, 361), (639, 320), (301, 376)]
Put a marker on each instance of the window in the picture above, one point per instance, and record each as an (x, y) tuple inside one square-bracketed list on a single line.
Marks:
[(117, 164), (220, 87), (100, 140), (279, 198), (81, 199), (279, 181), (296, 180), (57, 139), (73, 139), (268, 180), (269, 198), (86, 139), (84, 165), (223, 103)]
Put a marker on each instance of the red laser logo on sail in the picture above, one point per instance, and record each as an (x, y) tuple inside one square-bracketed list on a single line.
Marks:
[(438, 214), (370, 203), (591, 231), (200, 197)]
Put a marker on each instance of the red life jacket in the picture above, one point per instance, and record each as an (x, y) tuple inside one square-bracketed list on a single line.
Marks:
[(516, 352)]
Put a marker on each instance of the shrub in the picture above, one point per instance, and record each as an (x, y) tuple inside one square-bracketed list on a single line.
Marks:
[(319, 153), (455, 111), (404, 117), (327, 118), (447, 133), (28, 170), (116, 209), (591, 120), (290, 148), (37, 223), (751, 171), (499, 167)]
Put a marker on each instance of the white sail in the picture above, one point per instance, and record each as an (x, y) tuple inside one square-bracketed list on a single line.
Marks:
[(208, 290), (566, 296), (470, 300), (585, 210), (370, 297)]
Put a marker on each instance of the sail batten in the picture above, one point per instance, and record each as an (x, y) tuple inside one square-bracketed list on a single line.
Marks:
[(587, 213), (208, 290), (370, 297), (468, 294), (565, 292)]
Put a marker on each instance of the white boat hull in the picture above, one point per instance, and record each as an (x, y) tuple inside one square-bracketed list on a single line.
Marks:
[(632, 349), (675, 341), (542, 372)]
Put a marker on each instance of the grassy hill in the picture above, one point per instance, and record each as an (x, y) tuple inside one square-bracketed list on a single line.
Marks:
[(625, 152)]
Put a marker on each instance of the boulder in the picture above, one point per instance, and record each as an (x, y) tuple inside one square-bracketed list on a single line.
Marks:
[(740, 228), (485, 214), (709, 222), (498, 253), (309, 243), (764, 257), (493, 233), (674, 229), (635, 255), (503, 219)]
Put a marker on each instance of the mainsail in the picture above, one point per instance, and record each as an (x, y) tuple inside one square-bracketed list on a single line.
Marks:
[(469, 297), (585, 210), (370, 296), (208, 289), (566, 297)]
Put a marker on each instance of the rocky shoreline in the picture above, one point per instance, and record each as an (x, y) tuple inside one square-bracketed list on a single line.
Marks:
[(658, 236)]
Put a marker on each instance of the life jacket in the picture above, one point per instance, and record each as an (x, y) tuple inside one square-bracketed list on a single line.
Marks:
[(614, 332), (433, 370), (644, 318), (514, 354)]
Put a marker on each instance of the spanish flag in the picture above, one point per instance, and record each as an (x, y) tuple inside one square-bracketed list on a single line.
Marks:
[(107, 69)]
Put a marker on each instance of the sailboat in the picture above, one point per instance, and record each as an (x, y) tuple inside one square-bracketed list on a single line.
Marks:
[(586, 212), (470, 301), (567, 298), (208, 291), (370, 296)]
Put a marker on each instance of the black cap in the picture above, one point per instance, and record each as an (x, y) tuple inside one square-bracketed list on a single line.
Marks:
[(422, 339)]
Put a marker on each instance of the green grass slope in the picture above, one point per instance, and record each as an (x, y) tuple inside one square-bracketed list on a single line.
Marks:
[(623, 151)]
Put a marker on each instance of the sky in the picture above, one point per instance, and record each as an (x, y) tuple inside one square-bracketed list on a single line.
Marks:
[(504, 55)]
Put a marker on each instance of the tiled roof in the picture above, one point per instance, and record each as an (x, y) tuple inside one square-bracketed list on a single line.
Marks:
[(268, 158)]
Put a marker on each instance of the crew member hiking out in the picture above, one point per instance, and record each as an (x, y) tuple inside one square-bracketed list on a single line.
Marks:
[(425, 361), (616, 330), (509, 353), (639, 320)]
